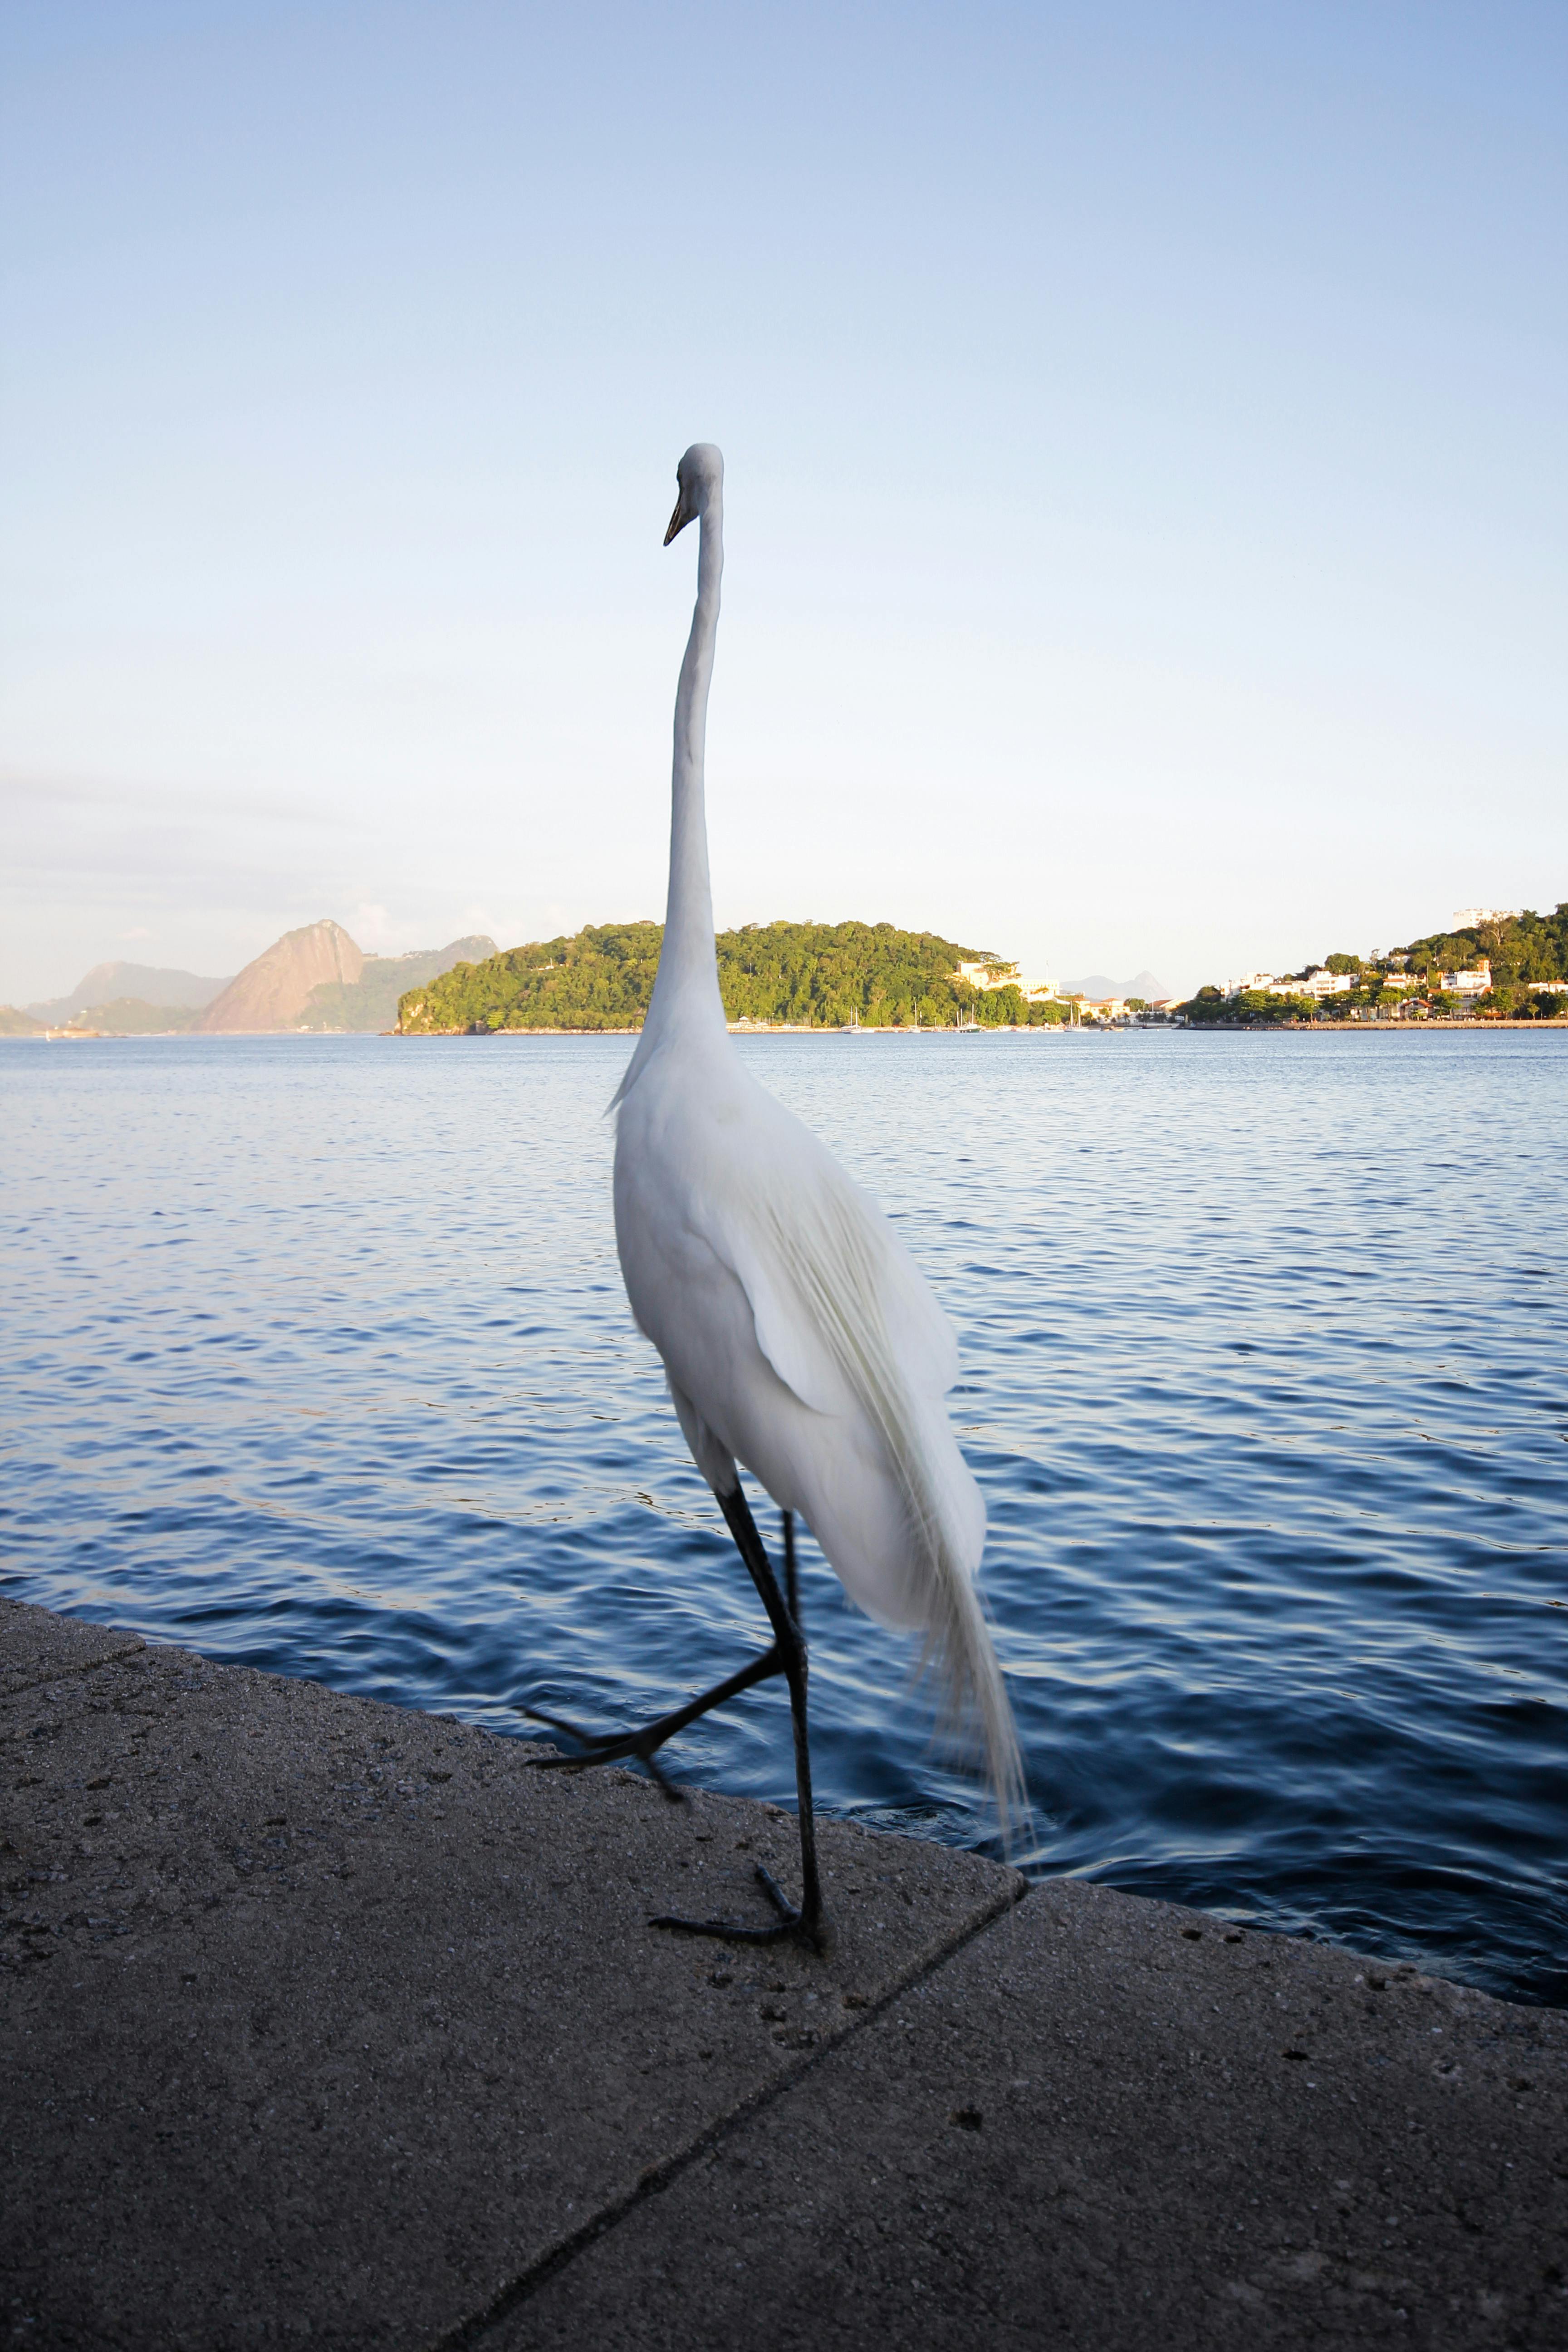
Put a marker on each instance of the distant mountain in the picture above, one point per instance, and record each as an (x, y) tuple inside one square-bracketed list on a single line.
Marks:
[(148, 984), (314, 977), (1097, 984), (371, 1002), (273, 990), (132, 1016), (318, 978), (123, 1016)]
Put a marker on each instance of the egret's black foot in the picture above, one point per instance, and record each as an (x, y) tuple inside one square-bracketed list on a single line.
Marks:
[(608, 1749), (792, 1926), (643, 1745)]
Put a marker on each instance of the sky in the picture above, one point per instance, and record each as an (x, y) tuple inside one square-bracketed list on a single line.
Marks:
[(1143, 436)]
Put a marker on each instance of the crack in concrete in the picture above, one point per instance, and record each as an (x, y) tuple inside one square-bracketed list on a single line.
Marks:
[(657, 2178)]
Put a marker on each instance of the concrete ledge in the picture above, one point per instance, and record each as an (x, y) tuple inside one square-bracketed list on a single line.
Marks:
[(328, 2019), (328, 2022), (1106, 2122), (36, 1646)]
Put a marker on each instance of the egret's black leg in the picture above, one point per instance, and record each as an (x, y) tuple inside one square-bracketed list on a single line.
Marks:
[(792, 1585), (807, 1923), (645, 1743)]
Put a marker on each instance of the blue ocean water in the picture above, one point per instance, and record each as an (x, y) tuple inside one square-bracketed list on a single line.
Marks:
[(316, 1358)]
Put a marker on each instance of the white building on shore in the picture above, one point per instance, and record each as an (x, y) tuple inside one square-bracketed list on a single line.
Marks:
[(1474, 983), (1320, 984)]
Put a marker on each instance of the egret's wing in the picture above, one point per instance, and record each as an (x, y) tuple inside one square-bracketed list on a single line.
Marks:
[(839, 1303)]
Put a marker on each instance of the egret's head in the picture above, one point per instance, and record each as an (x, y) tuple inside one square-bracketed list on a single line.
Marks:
[(701, 473)]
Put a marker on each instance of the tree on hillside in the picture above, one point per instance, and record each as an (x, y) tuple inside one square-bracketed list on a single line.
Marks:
[(1254, 1006)]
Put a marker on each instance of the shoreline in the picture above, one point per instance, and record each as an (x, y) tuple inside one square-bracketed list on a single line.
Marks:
[(1005, 1029), (803, 1029), (329, 2018), (1362, 1028)]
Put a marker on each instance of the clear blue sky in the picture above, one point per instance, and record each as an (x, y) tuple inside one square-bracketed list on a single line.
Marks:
[(1146, 470)]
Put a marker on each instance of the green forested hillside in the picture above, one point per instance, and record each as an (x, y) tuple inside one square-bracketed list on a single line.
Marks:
[(1524, 952), (819, 975), (1519, 948)]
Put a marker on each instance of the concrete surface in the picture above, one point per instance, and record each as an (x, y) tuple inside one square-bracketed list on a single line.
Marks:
[(325, 2020), (37, 1646), (330, 2023), (1104, 2124)]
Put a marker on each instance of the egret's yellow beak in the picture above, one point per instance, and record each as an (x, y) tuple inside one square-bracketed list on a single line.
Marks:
[(678, 522)]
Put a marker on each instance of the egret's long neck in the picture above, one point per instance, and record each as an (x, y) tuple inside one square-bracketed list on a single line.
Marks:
[(687, 990)]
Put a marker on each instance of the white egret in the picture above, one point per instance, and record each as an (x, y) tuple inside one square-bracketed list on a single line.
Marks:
[(798, 1337)]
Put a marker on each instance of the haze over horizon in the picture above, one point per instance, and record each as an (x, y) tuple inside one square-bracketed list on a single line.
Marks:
[(1144, 501)]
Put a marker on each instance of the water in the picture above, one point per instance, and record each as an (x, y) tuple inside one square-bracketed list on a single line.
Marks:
[(318, 1359)]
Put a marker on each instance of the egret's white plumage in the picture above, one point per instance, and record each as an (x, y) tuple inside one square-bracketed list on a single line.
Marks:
[(799, 1338)]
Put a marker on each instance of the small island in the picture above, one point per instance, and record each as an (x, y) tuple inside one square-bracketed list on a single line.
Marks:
[(772, 975)]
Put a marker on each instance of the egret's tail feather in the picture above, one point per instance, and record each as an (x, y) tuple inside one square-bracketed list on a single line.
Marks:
[(843, 1268), (976, 1706), (958, 1649)]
